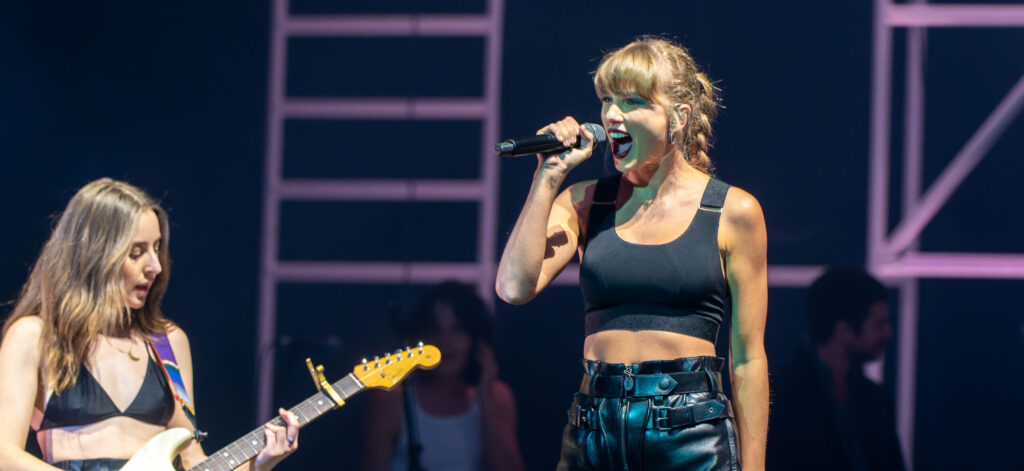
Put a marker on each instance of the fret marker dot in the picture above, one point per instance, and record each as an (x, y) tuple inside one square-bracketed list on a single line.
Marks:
[(231, 462), (225, 453), (254, 443), (319, 403)]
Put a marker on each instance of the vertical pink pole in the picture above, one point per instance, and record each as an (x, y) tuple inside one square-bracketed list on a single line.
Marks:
[(489, 171), (906, 382), (267, 326), (881, 96)]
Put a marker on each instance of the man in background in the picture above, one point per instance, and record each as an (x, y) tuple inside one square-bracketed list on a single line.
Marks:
[(827, 414)]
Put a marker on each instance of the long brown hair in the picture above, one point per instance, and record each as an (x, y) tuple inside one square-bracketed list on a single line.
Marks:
[(77, 284), (664, 72)]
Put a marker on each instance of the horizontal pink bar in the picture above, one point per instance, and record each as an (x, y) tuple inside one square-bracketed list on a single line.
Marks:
[(955, 265), (793, 276), (388, 25), (380, 190), (385, 108), (374, 272), (954, 15)]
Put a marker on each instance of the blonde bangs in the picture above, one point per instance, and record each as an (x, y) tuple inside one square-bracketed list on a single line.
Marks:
[(630, 70)]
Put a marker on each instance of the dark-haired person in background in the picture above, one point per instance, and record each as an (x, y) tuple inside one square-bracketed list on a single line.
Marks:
[(465, 416), (827, 414)]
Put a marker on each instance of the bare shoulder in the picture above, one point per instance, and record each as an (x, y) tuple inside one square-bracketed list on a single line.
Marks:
[(386, 400), (741, 209), (502, 394), (177, 338), (385, 409), (25, 331)]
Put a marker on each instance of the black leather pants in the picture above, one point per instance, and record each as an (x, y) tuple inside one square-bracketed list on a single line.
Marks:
[(659, 415)]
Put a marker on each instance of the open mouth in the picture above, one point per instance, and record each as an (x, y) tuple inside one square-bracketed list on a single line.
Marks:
[(142, 289), (621, 142)]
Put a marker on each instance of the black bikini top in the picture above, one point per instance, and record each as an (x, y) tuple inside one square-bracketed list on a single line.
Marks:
[(675, 287), (87, 402)]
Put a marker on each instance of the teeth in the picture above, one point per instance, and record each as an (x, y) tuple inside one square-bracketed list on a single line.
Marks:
[(622, 149), (617, 134)]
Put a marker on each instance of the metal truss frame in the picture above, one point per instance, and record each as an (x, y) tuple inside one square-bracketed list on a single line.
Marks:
[(277, 188), (895, 255)]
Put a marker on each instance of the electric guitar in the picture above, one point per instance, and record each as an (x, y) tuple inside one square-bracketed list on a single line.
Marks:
[(383, 373)]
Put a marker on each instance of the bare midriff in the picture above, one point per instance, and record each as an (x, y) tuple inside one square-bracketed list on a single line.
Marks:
[(116, 437), (623, 346)]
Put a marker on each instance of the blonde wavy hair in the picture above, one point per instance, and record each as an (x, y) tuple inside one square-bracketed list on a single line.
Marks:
[(77, 285), (664, 72)]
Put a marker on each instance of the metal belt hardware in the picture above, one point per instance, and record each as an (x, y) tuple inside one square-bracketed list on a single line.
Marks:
[(579, 416), (668, 418), (627, 383)]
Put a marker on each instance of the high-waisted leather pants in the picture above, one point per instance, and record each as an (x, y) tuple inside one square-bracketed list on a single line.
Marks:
[(657, 415)]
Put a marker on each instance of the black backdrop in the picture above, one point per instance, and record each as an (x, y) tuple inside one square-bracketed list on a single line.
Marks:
[(172, 97)]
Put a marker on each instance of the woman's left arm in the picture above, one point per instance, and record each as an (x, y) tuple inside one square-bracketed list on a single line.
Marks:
[(744, 238), (277, 447)]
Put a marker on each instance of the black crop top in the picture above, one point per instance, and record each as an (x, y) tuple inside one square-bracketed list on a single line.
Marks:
[(675, 287), (87, 403)]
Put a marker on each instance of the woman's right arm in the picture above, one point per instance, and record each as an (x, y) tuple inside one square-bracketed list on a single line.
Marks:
[(19, 383), (545, 236)]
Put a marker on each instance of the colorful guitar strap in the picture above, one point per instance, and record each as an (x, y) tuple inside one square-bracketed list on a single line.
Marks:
[(164, 353)]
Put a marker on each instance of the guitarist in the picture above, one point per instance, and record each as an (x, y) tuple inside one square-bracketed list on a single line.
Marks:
[(76, 363)]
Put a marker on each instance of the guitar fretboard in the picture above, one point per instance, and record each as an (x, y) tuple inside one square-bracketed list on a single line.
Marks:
[(250, 445)]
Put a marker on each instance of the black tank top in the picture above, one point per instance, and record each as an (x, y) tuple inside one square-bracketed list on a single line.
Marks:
[(675, 287), (87, 402)]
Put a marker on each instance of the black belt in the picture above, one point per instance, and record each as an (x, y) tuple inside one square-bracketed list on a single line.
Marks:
[(667, 418), (662, 418), (649, 384)]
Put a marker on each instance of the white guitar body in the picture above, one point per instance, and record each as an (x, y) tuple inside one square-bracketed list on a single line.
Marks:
[(159, 452)]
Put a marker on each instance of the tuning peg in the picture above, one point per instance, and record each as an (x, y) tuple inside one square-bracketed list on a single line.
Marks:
[(365, 366), (398, 354), (376, 361), (408, 351), (387, 358), (420, 345)]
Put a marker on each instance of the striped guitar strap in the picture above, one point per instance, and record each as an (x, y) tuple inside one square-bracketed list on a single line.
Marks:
[(164, 353)]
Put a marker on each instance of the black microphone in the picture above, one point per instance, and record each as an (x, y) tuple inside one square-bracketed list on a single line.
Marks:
[(545, 143)]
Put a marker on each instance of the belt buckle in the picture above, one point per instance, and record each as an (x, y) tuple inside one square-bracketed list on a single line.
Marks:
[(580, 416), (661, 419), (627, 382)]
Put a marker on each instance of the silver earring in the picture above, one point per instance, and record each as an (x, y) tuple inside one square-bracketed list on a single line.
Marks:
[(671, 137)]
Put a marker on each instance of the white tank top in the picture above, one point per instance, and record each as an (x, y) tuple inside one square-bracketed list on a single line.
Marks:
[(450, 443)]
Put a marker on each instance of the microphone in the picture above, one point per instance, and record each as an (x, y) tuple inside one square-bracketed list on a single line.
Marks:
[(544, 143)]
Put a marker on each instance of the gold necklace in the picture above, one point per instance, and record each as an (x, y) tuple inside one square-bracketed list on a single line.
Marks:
[(128, 352)]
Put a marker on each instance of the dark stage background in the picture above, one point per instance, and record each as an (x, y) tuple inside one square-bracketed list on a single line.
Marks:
[(171, 96)]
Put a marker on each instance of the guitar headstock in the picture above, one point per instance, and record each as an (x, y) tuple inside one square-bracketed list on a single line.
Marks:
[(385, 372)]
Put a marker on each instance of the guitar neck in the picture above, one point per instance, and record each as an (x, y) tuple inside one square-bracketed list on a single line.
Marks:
[(250, 445)]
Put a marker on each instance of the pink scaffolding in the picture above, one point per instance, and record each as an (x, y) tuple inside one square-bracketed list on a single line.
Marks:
[(895, 256)]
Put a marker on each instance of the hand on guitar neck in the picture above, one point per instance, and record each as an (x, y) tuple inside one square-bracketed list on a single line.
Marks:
[(269, 444), (281, 441)]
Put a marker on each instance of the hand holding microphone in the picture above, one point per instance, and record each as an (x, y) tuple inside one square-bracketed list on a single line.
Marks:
[(553, 138), (562, 144)]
